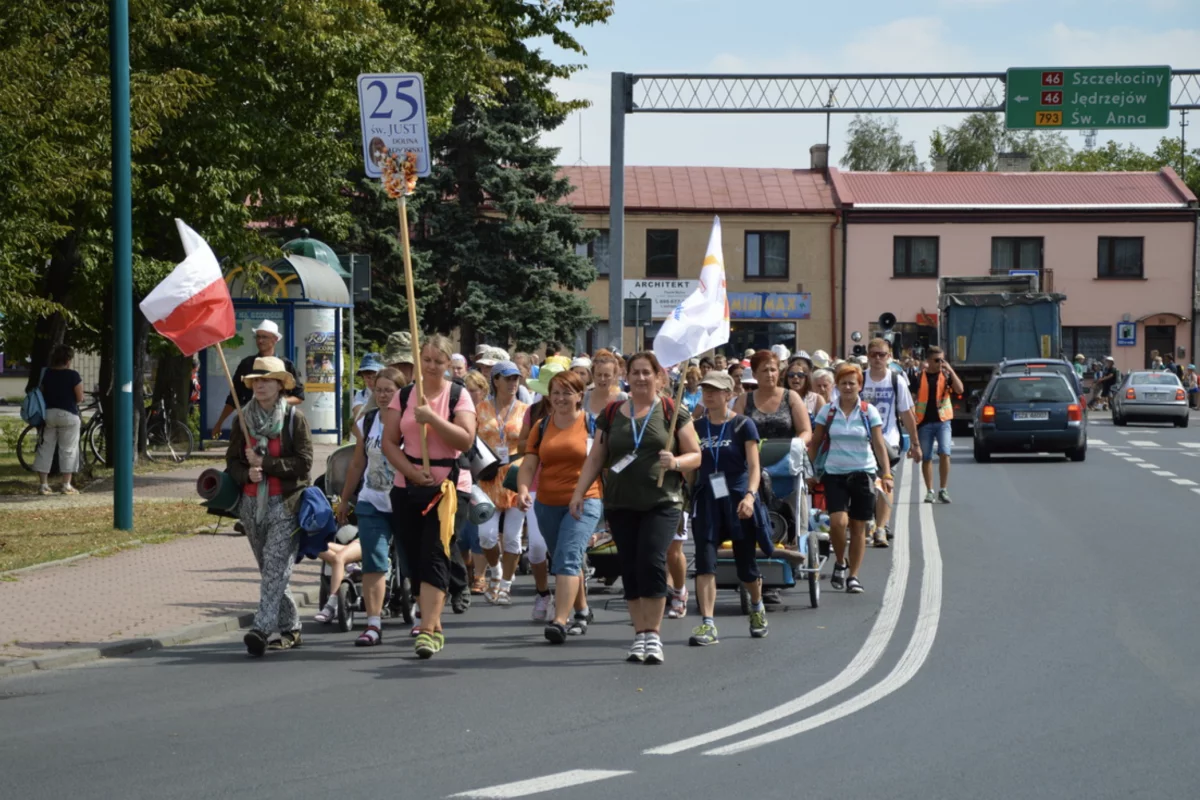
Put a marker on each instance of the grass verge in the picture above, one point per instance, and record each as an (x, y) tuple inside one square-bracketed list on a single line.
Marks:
[(29, 535), (16, 480)]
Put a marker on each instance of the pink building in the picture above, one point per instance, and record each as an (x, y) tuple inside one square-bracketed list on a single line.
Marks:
[(1121, 246)]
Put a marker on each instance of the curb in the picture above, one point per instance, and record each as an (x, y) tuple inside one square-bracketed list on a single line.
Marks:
[(305, 598)]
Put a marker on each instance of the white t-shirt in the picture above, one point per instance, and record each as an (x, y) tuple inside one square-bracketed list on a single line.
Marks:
[(879, 394), (380, 475)]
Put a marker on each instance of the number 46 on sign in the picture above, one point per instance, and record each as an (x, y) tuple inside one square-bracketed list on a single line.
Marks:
[(392, 110)]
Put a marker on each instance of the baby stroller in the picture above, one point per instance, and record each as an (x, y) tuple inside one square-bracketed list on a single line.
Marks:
[(784, 492), (398, 599)]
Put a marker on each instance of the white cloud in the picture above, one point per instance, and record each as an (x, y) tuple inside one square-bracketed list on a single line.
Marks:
[(913, 44), (1177, 47)]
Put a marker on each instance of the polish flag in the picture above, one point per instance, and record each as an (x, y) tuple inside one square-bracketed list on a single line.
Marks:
[(192, 306)]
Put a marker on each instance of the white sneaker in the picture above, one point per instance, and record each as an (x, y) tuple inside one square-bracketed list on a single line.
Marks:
[(637, 650), (654, 649), (542, 606), (930, 496)]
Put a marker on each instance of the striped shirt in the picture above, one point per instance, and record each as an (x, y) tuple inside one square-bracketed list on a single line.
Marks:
[(850, 447)]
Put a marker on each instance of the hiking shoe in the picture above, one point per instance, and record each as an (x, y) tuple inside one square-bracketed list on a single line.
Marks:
[(256, 643), (703, 635), (579, 624), (838, 579), (944, 496), (881, 537), (758, 624), (854, 586), (555, 632), (460, 601), (637, 650), (541, 609), (654, 649), (930, 497), (426, 644)]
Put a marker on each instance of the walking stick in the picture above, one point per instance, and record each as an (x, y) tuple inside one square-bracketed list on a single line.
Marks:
[(233, 393), (671, 425)]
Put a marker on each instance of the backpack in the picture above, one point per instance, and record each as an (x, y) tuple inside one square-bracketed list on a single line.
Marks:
[(33, 407), (590, 421), (823, 453), (468, 457)]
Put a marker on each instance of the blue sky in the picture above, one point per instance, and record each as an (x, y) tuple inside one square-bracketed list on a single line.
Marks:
[(776, 36)]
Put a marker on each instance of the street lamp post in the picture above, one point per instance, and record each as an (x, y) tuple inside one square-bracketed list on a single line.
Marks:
[(122, 283)]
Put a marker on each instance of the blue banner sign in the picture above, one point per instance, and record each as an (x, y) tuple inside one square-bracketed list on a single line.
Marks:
[(769, 305)]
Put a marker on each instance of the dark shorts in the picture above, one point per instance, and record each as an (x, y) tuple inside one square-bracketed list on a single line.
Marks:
[(745, 548), (420, 536), (642, 539), (853, 493)]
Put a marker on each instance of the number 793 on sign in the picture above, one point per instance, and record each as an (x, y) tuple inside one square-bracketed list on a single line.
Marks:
[(1049, 118)]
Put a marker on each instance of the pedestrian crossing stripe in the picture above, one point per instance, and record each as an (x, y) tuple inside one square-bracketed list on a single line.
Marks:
[(1189, 444), (1143, 444)]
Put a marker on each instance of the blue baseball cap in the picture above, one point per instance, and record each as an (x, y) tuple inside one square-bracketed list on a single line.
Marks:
[(502, 369), (370, 363)]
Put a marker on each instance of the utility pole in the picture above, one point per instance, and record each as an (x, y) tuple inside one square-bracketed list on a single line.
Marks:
[(122, 285), (1183, 123)]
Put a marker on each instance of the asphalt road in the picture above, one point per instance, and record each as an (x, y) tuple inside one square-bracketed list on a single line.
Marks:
[(1039, 640)]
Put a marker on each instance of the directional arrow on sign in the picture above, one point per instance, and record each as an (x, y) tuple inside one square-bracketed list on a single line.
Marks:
[(1020, 98)]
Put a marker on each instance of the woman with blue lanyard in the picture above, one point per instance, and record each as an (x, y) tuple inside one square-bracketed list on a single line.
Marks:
[(848, 445), (632, 441), (725, 506)]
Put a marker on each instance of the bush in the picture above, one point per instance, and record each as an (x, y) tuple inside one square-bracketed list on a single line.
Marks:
[(10, 432)]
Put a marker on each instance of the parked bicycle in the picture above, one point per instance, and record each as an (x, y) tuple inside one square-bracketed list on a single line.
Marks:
[(167, 439)]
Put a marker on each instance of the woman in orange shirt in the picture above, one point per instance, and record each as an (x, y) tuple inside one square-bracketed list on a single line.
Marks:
[(560, 444)]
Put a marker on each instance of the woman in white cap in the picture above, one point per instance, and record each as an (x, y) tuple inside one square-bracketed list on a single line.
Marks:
[(273, 469), (582, 366), (499, 425), (266, 338)]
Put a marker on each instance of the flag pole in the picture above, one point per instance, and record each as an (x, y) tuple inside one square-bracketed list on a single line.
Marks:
[(402, 207), (233, 393), (674, 417)]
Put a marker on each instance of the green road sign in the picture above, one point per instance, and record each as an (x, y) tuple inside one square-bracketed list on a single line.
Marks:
[(1049, 98)]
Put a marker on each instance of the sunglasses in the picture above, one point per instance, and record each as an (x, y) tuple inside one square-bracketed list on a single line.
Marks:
[(792, 375), (879, 354)]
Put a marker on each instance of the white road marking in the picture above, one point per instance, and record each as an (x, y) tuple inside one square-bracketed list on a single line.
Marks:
[(1143, 444), (910, 662), (1099, 443), (1197, 491), (1183, 481), (1189, 444), (870, 653), (1132, 459), (1148, 466), (1165, 473), (547, 783)]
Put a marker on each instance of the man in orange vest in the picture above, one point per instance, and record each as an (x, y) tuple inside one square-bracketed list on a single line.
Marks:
[(934, 411)]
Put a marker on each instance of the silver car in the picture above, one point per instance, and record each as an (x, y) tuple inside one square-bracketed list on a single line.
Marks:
[(1150, 397)]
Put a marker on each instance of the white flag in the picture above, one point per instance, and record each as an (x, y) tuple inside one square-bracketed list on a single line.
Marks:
[(701, 321)]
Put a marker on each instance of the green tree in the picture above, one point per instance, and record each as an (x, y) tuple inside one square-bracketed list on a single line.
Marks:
[(1116, 157), (875, 145), (496, 242), (975, 144)]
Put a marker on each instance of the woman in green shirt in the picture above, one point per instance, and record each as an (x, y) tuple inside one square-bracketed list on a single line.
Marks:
[(632, 443)]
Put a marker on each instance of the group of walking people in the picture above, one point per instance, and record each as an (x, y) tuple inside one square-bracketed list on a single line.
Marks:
[(585, 446)]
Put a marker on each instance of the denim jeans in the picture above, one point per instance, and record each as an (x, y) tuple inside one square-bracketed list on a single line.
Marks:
[(566, 537), (935, 432)]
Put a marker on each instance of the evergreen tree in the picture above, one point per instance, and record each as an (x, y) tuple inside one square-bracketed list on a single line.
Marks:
[(494, 245)]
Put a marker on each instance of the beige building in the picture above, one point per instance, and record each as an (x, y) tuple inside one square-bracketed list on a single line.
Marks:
[(781, 242)]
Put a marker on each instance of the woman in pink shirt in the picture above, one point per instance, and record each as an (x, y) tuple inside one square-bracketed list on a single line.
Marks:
[(449, 431)]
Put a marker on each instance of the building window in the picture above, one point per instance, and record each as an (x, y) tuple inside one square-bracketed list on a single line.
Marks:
[(915, 257), (596, 251), (1016, 252), (1120, 257), (1092, 341), (767, 254), (662, 254)]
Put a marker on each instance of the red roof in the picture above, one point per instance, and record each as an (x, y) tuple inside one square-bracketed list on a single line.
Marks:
[(704, 189), (910, 190)]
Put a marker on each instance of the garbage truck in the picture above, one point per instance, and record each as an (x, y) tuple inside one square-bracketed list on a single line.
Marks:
[(983, 320)]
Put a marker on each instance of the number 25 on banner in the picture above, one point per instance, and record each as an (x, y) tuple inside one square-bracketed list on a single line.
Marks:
[(392, 110)]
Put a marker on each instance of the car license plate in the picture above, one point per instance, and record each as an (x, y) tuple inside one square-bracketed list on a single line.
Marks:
[(1031, 415)]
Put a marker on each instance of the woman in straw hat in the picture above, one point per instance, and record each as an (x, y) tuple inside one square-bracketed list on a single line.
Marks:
[(273, 469)]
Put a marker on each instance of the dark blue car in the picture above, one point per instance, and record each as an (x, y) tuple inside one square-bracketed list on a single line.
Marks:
[(1030, 412), (1057, 365)]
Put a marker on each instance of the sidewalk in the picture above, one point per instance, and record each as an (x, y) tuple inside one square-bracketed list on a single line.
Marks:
[(148, 596)]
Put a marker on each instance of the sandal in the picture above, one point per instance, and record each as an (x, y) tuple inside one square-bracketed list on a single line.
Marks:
[(479, 585), (492, 591), (370, 637), (502, 597), (327, 614), (555, 632), (579, 623), (69, 490)]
